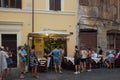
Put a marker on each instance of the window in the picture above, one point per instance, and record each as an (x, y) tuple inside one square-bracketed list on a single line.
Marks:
[(10, 3), (84, 2), (55, 5)]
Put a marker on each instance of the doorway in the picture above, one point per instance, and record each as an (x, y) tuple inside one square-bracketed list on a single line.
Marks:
[(52, 42), (10, 40), (88, 38), (113, 39)]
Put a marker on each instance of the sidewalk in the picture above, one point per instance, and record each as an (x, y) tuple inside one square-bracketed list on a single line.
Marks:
[(95, 74)]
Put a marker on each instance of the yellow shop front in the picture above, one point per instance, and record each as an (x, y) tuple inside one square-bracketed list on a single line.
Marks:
[(48, 38)]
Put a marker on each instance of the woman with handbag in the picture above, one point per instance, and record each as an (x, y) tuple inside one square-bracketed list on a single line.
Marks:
[(9, 59)]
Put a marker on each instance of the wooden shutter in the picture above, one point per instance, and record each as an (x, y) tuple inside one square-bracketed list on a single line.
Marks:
[(52, 4), (57, 4), (84, 2)]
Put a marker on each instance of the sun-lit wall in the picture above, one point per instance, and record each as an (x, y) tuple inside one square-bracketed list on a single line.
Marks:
[(44, 19)]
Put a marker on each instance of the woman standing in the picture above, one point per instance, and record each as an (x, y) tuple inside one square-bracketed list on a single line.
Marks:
[(33, 62), (89, 60), (9, 59), (84, 55)]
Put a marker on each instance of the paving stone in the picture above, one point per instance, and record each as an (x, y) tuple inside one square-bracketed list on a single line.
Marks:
[(95, 74)]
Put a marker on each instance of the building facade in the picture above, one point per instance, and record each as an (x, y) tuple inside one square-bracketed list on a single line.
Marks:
[(99, 24), (21, 17)]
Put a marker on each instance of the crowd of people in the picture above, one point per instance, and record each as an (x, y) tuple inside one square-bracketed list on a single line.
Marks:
[(6, 60), (88, 56), (81, 58)]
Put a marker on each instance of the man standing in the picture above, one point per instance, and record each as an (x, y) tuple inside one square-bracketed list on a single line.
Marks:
[(100, 52), (46, 53), (25, 55), (56, 59), (77, 58)]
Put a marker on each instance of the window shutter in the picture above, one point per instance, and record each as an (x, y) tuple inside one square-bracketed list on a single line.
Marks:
[(19, 4), (52, 4), (84, 2), (57, 5)]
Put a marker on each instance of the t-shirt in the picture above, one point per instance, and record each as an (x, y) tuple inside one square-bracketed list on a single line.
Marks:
[(24, 51), (84, 54), (100, 52), (3, 62), (77, 54), (56, 53), (110, 57), (94, 55)]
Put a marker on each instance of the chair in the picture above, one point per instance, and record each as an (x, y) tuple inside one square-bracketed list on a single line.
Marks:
[(42, 65)]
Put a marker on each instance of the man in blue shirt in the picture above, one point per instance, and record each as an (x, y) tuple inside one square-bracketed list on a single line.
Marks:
[(25, 58), (109, 58), (56, 59)]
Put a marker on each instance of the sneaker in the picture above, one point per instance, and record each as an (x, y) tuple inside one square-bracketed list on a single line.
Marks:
[(60, 72), (75, 72), (78, 72), (89, 70)]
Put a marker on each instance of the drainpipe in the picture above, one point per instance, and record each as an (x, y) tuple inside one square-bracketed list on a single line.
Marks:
[(32, 20), (118, 8), (78, 35)]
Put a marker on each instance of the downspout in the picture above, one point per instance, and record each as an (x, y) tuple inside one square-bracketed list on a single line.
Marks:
[(118, 8), (32, 20)]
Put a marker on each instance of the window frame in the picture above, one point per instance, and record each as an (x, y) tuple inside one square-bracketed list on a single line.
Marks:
[(10, 4), (48, 6), (84, 2)]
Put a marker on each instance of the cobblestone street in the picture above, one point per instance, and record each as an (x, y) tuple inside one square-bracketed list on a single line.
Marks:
[(95, 74)]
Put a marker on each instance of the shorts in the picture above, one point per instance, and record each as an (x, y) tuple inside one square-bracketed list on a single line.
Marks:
[(83, 60), (89, 60), (77, 61), (56, 61), (9, 60)]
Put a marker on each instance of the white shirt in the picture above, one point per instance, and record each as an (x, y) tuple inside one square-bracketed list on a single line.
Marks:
[(3, 62), (84, 54), (94, 55)]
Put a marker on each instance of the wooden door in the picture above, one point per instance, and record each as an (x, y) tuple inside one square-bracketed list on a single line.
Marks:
[(88, 39), (118, 41)]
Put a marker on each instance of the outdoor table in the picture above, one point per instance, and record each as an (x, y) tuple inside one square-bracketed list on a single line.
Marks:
[(70, 59), (96, 59)]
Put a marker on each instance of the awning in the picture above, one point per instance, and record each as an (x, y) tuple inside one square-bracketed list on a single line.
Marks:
[(50, 33)]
